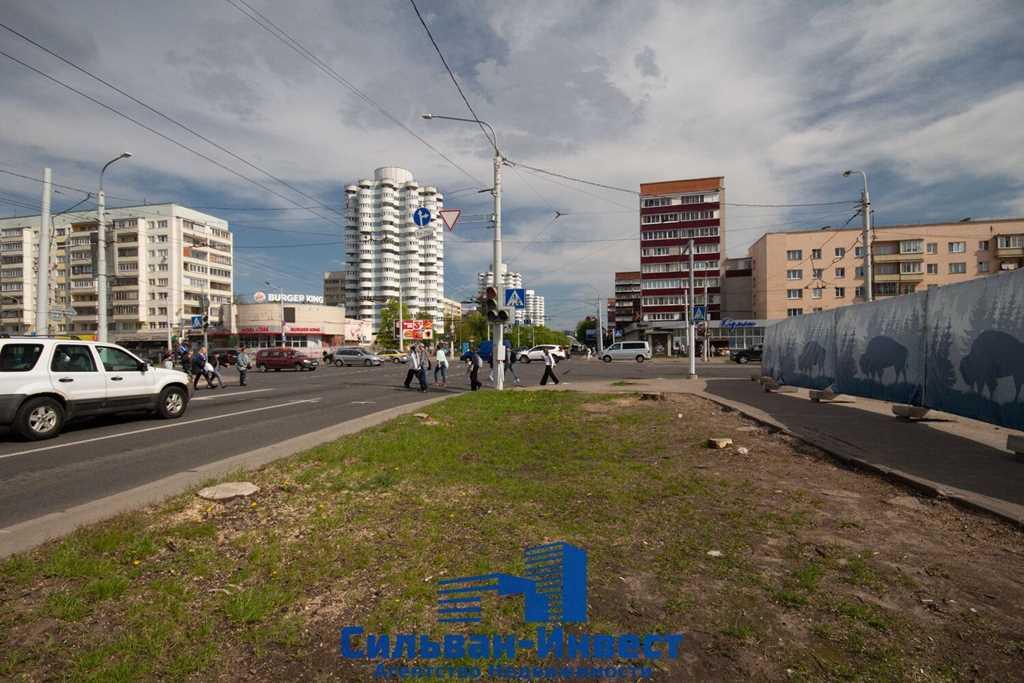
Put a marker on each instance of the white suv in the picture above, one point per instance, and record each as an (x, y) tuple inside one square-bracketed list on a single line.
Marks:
[(45, 382), (537, 353)]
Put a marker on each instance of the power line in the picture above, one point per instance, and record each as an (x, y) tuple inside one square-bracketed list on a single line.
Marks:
[(437, 48), (273, 29), (151, 129), (166, 117)]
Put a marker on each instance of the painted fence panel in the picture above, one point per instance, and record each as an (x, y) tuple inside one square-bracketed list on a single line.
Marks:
[(880, 349), (958, 348), (976, 338)]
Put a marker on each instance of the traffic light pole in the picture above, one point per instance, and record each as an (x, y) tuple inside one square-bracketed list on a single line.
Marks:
[(691, 332), (498, 347)]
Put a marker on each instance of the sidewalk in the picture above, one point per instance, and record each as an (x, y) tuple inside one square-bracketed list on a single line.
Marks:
[(945, 455)]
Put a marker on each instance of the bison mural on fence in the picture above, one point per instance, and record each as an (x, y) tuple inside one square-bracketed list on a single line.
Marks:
[(812, 357), (994, 355), (882, 353)]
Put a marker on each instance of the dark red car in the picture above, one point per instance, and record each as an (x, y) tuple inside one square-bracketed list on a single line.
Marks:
[(285, 359)]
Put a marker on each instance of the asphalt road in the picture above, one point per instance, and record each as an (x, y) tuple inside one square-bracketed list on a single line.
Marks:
[(98, 457)]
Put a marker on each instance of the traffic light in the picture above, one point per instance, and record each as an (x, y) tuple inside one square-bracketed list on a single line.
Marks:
[(492, 307), (206, 321)]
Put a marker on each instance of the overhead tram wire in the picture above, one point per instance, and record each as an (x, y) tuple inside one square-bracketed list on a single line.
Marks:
[(451, 74), (273, 29), (153, 130), (168, 118)]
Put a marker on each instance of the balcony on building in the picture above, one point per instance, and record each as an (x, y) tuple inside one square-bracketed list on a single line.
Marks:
[(1010, 246), (895, 251)]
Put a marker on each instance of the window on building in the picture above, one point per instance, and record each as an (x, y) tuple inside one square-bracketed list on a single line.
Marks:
[(816, 273), (817, 309), (816, 293), (794, 293), (957, 268), (815, 253), (858, 252), (840, 272), (840, 252), (933, 268), (911, 246), (982, 266), (840, 292), (909, 267), (859, 271), (794, 255), (983, 245), (793, 312), (957, 247), (859, 292), (795, 274), (933, 247)]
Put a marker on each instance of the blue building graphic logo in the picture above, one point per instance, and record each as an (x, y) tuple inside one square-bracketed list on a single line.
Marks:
[(554, 588)]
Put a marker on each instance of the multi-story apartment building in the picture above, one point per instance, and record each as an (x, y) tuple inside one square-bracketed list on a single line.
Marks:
[(164, 261), (509, 280), (627, 299), (386, 251), (334, 288), (815, 270), (671, 213), (534, 313), (737, 301)]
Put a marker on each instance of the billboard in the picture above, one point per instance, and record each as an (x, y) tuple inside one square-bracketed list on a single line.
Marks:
[(416, 329)]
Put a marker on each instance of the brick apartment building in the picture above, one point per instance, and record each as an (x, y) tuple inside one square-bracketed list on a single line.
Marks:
[(796, 273), (625, 307), (671, 213)]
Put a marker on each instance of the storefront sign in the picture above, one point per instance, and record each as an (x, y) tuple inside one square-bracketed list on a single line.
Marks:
[(277, 297), (733, 324), (298, 329), (417, 329), (262, 329)]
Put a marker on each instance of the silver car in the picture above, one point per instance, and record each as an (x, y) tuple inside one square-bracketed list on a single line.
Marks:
[(354, 355), (628, 350)]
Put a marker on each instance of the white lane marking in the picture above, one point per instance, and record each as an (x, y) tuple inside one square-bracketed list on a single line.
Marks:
[(233, 393), (153, 429)]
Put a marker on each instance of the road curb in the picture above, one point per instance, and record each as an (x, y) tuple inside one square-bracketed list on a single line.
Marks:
[(31, 533), (965, 499)]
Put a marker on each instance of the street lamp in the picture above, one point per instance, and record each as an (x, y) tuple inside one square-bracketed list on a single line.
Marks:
[(101, 256), (865, 208), (280, 294), (498, 348)]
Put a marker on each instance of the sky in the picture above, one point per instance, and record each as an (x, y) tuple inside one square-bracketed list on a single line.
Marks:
[(779, 98)]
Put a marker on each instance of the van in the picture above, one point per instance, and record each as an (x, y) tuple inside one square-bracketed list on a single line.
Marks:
[(628, 350)]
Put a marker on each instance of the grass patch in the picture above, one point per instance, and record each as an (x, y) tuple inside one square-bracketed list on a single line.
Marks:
[(359, 531)]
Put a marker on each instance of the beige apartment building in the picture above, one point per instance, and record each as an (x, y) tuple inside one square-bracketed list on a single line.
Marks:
[(795, 273)]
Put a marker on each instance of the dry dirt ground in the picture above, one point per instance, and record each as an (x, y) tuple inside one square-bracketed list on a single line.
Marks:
[(775, 564)]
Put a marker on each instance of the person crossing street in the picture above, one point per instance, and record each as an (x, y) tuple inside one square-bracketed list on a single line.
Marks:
[(242, 363), (441, 366), (414, 367), (549, 367)]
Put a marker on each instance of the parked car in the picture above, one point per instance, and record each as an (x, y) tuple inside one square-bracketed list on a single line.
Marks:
[(227, 357), (394, 356), (44, 383), (628, 350), (285, 359), (537, 353), (744, 356), (354, 355)]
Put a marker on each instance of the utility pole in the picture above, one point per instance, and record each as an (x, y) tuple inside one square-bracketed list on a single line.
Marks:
[(691, 337), (865, 209), (101, 255), (401, 322), (600, 330), (43, 273), (498, 347)]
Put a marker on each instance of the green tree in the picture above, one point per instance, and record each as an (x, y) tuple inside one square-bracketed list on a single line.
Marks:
[(386, 338), (588, 323), (472, 326)]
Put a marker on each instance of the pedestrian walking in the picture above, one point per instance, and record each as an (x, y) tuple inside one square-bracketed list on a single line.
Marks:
[(549, 368), (473, 364), (199, 363), (214, 370), (414, 367), (441, 365), (424, 366), (510, 367), (242, 363)]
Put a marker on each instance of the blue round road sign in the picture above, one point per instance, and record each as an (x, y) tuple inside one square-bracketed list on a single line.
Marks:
[(421, 216)]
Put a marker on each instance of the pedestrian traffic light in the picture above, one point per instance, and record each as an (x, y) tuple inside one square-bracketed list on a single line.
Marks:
[(206, 321), (492, 307)]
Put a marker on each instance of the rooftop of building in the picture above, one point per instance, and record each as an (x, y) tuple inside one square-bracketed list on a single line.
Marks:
[(685, 185), (898, 226)]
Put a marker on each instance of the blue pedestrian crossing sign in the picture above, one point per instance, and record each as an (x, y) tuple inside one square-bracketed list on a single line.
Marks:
[(197, 322), (421, 216), (515, 297), (699, 314)]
